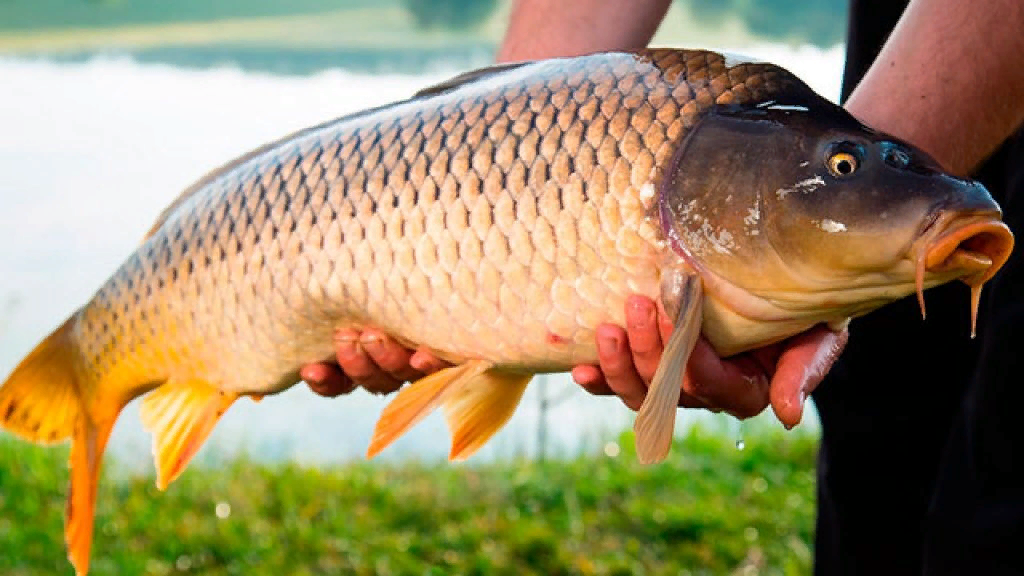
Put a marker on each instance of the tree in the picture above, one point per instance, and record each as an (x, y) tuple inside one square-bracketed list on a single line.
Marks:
[(450, 14), (819, 22)]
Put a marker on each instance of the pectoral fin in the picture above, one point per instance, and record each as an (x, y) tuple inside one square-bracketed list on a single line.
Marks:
[(181, 415), (655, 422), (479, 409), (417, 400)]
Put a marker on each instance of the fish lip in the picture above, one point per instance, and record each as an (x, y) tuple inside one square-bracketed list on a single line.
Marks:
[(943, 238), (971, 246)]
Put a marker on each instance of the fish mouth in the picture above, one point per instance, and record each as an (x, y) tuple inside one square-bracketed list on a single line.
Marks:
[(971, 247)]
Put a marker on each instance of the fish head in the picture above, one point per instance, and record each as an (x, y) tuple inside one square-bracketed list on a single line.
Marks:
[(799, 213)]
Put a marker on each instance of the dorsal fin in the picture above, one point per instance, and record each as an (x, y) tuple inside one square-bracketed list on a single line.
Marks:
[(468, 78)]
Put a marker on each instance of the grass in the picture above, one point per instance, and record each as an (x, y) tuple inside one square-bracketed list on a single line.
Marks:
[(709, 509)]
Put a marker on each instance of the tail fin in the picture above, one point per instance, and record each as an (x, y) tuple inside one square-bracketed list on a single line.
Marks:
[(86, 453), (42, 401)]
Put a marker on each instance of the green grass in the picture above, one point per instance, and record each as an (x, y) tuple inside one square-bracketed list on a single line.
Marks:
[(710, 509)]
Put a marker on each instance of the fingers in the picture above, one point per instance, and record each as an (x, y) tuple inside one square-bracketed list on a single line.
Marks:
[(372, 360), (326, 380), (741, 385), (803, 364), (616, 362), (642, 335), (629, 359), (738, 385), (591, 379), (357, 364), (390, 356), (426, 363)]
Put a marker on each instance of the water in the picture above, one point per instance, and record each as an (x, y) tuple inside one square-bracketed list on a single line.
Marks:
[(91, 151), (738, 427)]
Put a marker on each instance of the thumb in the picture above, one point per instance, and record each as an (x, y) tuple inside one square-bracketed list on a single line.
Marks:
[(803, 364)]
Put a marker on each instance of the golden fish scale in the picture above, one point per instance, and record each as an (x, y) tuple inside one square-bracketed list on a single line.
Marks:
[(502, 220)]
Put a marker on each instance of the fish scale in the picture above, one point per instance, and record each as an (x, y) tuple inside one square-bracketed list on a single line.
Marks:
[(482, 222)]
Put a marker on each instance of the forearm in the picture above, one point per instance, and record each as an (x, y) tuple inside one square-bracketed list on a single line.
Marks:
[(552, 28), (949, 80)]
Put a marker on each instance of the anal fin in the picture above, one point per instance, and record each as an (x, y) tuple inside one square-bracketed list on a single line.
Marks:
[(181, 415), (655, 422), (480, 408), (417, 400)]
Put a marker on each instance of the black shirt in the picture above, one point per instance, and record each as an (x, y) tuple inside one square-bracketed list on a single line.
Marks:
[(922, 449)]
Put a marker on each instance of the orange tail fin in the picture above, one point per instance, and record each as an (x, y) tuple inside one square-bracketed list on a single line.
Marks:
[(86, 452), (42, 401)]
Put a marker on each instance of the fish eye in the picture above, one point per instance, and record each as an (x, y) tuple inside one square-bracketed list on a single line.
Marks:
[(842, 164)]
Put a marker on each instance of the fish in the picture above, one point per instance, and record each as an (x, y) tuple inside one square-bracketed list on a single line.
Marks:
[(497, 219)]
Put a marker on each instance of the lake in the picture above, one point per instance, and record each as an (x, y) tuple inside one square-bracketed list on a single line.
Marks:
[(92, 150)]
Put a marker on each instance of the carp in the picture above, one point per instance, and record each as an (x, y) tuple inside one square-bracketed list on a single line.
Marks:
[(496, 219)]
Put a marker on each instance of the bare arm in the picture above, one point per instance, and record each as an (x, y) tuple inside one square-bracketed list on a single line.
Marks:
[(949, 80), (546, 29)]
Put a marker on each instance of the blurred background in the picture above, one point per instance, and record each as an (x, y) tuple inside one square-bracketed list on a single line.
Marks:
[(108, 108)]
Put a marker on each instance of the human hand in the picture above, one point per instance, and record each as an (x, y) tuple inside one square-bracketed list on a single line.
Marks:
[(369, 359), (782, 374)]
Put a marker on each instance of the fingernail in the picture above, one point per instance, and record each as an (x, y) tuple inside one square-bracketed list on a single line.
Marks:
[(308, 375), (424, 365), (318, 386), (800, 411), (370, 342), (345, 344), (311, 383), (608, 344)]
